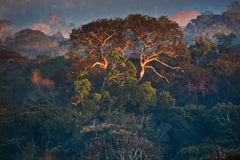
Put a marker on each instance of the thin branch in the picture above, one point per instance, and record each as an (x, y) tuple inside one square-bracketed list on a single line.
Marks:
[(164, 64), (158, 74), (102, 65), (105, 40)]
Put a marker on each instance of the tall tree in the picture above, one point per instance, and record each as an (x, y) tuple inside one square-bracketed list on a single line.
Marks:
[(101, 38), (146, 38), (153, 39)]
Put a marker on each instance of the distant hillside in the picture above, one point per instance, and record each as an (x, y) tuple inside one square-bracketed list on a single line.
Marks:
[(210, 25), (32, 43)]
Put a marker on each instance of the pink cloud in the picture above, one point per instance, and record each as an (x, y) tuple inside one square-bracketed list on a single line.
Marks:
[(183, 18), (5, 28), (53, 24), (42, 27)]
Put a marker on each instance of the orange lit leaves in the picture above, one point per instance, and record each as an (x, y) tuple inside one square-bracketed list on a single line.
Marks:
[(38, 80)]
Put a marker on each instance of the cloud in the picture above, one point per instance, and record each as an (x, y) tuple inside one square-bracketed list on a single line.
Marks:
[(183, 18), (46, 29), (54, 18), (16, 10), (5, 29), (38, 80), (54, 24), (25, 13)]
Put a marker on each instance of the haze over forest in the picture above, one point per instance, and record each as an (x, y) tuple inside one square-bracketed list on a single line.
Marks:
[(134, 80)]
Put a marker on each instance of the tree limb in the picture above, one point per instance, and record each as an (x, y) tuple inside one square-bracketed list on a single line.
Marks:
[(158, 74)]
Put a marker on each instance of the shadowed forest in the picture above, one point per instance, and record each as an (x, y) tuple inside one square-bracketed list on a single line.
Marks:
[(138, 88)]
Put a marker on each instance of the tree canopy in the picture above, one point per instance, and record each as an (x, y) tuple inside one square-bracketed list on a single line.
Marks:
[(145, 38)]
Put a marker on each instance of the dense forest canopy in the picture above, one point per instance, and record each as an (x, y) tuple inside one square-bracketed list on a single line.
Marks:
[(208, 25), (129, 89)]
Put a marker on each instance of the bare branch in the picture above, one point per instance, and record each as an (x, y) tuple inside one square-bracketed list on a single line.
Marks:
[(158, 74), (105, 40), (164, 64), (103, 64)]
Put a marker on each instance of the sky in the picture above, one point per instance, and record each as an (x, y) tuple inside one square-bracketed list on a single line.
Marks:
[(25, 13)]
